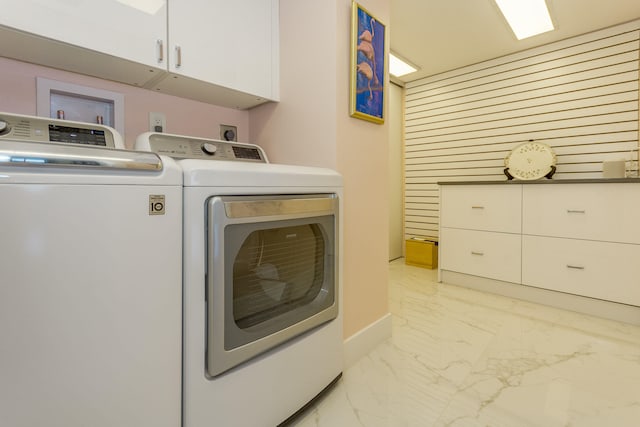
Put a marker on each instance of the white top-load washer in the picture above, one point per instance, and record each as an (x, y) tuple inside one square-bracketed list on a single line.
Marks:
[(262, 300), (90, 265)]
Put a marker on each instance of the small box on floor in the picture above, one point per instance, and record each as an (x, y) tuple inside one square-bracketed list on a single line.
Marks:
[(421, 253)]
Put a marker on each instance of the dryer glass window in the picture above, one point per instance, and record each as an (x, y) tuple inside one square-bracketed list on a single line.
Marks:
[(276, 271)]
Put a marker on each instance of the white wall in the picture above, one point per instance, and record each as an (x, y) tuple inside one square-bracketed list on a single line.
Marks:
[(579, 95)]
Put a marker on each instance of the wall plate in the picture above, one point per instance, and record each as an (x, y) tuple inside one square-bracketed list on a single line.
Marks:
[(157, 122), (229, 133)]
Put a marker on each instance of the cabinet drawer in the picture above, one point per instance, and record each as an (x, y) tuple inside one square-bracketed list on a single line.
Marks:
[(602, 270), (607, 212), (481, 253), (482, 207)]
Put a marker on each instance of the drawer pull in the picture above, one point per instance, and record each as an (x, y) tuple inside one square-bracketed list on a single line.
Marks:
[(178, 56), (477, 253), (576, 211), (477, 207), (160, 47), (575, 267)]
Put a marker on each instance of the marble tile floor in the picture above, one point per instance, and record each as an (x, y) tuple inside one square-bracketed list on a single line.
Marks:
[(460, 357)]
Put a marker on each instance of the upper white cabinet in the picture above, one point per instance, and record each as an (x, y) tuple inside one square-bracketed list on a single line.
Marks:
[(217, 51), (232, 43), (115, 27), (107, 39)]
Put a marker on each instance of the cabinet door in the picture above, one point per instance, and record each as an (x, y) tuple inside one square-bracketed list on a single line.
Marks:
[(233, 44), (111, 27), (606, 212), (482, 207), (481, 253), (607, 271)]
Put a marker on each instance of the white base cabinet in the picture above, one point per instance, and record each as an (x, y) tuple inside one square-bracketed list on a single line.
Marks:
[(483, 207), (602, 212), (576, 237), (603, 270), (481, 253)]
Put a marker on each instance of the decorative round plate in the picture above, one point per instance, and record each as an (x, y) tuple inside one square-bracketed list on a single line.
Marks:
[(531, 160)]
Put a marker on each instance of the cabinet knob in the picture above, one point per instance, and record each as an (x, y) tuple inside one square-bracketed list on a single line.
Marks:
[(575, 267)]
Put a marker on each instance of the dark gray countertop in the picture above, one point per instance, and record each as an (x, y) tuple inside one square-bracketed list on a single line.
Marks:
[(547, 181)]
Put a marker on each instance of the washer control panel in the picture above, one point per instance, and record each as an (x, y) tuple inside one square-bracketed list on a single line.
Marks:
[(184, 147), (17, 127)]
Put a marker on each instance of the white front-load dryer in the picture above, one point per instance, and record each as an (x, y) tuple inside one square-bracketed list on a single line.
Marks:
[(90, 264), (262, 332)]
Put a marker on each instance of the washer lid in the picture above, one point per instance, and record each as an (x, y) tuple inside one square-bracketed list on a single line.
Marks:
[(36, 162), (530, 161), (36, 154)]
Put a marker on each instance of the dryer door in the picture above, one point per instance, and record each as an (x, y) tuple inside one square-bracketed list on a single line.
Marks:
[(272, 273)]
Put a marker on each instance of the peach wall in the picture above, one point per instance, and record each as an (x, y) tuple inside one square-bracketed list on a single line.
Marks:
[(362, 159), (301, 128), (18, 95), (311, 126)]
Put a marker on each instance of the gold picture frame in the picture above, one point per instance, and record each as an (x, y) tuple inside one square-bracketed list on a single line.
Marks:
[(368, 66)]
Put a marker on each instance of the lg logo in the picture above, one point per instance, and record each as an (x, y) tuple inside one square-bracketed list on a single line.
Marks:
[(156, 204)]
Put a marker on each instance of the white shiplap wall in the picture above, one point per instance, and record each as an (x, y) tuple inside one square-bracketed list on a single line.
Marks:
[(579, 95)]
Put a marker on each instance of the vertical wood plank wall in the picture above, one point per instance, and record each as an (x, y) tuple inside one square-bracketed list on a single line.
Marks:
[(578, 95)]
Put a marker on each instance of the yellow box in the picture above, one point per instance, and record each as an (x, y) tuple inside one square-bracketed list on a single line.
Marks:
[(421, 253)]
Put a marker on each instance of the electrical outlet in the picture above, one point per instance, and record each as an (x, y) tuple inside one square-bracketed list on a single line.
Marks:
[(228, 133), (157, 122)]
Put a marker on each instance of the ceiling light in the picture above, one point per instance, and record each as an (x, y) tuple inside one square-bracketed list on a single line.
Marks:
[(399, 67), (526, 17)]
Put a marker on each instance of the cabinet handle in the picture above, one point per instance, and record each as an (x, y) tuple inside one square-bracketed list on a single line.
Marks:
[(178, 56), (575, 267), (477, 207), (477, 253), (576, 211), (160, 46)]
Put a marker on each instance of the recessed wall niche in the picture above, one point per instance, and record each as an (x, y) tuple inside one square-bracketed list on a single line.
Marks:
[(79, 103)]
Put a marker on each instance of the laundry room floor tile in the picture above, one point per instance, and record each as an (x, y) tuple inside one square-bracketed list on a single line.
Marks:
[(459, 357)]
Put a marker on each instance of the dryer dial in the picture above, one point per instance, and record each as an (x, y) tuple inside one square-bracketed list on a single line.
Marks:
[(4, 127), (209, 148)]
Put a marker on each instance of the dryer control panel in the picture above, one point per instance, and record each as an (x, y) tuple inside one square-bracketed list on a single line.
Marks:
[(21, 128), (185, 147)]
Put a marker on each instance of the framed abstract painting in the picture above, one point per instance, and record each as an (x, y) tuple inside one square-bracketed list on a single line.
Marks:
[(368, 65)]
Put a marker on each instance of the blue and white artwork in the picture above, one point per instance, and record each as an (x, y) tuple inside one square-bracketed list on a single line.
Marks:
[(369, 66)]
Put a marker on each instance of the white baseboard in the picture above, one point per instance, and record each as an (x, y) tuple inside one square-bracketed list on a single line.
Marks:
[(365, 340), (594, 307)]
